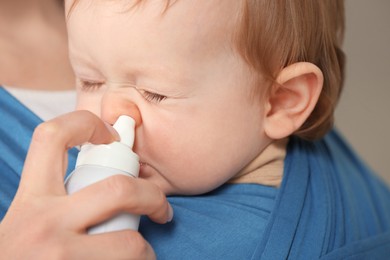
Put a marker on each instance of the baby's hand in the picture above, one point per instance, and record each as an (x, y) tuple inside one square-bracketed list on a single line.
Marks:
[(44, 223)]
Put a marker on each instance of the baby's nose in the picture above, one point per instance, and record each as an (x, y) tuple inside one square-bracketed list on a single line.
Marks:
[(114, 105)]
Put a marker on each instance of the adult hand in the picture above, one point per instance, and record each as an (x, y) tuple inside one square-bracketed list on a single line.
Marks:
[(43, 222)]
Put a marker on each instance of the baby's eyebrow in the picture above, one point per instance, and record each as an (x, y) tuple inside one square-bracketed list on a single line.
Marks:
[(79, 57), (162, 74), (84, 68)]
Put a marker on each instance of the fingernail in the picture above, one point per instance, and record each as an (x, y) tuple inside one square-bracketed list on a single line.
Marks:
[(113, 132), (170, 213)]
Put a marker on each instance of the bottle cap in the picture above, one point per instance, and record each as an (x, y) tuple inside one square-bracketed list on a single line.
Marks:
[(117, 155)]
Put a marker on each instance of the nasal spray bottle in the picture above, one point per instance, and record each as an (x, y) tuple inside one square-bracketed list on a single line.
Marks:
[(97, 162)]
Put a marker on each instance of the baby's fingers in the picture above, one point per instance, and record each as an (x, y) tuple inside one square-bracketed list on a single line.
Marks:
[(118, 193)]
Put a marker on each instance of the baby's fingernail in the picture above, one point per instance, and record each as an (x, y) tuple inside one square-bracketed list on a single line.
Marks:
[(170, 213), (113, 132)]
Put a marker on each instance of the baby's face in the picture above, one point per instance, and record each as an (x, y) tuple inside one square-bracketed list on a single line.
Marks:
[(176, 72)]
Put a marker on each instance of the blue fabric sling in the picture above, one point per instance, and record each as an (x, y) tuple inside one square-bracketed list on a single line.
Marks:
[(227, 223), (330, 206), (17, 124)]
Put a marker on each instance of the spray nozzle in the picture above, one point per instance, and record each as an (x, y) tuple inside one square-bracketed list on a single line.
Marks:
[(125, 127)]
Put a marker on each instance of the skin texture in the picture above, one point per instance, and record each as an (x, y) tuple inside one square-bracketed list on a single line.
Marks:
[(206, 128)]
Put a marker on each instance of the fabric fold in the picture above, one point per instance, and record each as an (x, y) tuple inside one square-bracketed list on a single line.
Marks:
[(17, 124)]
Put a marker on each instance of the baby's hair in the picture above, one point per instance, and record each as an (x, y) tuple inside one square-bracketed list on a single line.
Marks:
[(273, 34)]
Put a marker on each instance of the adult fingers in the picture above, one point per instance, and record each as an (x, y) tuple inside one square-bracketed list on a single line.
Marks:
[(115, 194), (47, 156), (115, 245)]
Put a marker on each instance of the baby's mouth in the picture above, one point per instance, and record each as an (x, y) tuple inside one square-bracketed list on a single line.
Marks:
[(145, 168), (141, 164)]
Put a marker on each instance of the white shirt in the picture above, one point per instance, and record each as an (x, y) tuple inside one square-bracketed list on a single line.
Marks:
[(45, 104)]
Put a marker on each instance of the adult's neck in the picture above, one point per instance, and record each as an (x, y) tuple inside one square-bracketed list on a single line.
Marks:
[(19, 12), (33, 43)]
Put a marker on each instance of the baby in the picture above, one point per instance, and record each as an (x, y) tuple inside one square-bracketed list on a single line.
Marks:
[(208, 95)]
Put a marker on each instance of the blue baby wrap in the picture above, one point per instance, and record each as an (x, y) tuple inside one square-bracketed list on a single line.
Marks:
[(17, 123), (329, 206)]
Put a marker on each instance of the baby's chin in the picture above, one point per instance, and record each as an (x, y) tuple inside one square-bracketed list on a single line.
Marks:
[(169, 187), (149, 173)]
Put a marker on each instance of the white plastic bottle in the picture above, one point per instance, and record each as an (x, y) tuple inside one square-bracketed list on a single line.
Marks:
[(97, 162)]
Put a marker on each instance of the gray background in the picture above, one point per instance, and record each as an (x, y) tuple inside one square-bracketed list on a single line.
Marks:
[(363, 113)]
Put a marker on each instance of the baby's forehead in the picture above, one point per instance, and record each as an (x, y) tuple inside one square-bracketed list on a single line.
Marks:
[(197, 29), (215, 8), (212, 18)]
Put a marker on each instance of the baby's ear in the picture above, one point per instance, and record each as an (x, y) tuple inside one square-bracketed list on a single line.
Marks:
[(292, 99)]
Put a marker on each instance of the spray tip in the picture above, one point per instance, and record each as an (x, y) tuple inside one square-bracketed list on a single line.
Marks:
[(125, 127)]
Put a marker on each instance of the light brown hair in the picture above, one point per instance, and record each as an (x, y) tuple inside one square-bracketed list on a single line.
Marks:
[(273, 34), (277, 33)]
